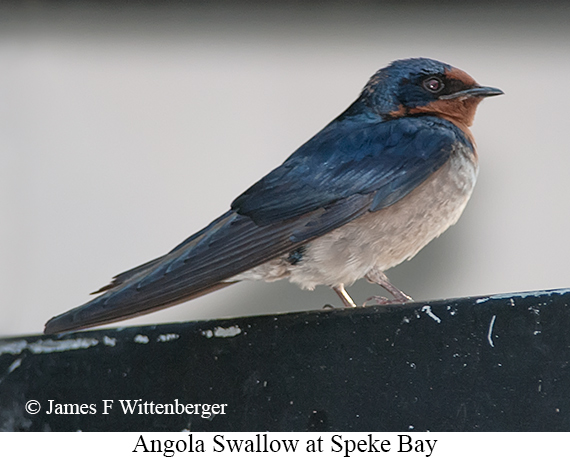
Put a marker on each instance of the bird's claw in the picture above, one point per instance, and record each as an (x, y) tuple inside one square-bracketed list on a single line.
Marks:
[(386, 301)]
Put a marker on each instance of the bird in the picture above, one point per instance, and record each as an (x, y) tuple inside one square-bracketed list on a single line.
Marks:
[(367, 192)]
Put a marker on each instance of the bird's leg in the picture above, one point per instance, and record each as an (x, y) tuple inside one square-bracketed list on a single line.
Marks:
[(343, 294), (378, 277)]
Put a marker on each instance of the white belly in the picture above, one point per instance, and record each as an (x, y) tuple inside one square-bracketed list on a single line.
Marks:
[(384, 238)]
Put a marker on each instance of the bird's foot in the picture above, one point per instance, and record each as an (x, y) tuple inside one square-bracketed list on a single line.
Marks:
[(378, 277), (388, 301)]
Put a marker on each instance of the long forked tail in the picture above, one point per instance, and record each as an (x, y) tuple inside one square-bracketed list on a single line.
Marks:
[(95, 313), (190, 270)]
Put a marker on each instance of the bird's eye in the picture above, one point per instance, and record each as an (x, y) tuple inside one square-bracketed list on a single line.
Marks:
[(433, 85)]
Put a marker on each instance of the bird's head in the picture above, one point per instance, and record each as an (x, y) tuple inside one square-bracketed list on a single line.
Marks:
[(425, 87)]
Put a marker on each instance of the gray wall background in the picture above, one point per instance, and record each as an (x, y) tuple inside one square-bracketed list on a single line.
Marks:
[(125, 130)]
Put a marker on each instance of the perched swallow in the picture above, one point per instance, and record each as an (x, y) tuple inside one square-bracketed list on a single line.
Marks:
[(367, 192)]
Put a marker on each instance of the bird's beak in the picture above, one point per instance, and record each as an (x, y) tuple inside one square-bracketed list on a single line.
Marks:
[(477, 91)]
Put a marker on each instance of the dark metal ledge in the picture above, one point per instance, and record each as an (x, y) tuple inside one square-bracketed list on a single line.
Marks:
[(499, 363)]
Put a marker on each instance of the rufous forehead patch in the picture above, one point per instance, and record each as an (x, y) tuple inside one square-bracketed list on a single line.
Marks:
[(456, 73)]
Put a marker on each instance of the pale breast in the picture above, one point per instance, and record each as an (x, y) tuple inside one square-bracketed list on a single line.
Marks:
[(384, 238)]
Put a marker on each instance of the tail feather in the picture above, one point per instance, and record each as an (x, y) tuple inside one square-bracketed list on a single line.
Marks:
[(126, 275), (94, 312)]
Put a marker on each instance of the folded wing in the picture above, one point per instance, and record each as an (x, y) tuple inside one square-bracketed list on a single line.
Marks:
[(338, 175)]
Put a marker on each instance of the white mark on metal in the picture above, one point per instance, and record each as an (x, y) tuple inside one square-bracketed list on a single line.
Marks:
[(167, 337), (427, 309), (15, 364), (13, 347), (536, 293), (221, 332), (490, 334), (535, 311), (108, 341), (142, 339), (47, 346)]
